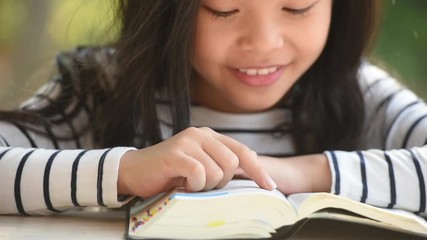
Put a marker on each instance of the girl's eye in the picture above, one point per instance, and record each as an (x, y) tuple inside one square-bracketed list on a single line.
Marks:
[(221, 14), (297, 12)]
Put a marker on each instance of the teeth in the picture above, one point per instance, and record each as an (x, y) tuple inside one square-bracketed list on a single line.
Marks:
[(254, 72)]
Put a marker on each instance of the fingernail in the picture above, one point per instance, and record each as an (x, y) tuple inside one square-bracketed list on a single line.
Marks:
[(271, 183)]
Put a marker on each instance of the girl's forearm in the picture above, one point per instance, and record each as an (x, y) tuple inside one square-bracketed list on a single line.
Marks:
[(307, 173)]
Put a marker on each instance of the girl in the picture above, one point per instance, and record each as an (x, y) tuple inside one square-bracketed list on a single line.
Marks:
[(195, 93)]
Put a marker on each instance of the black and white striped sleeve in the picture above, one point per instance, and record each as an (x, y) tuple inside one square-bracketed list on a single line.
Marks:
[(36, 181), (392, 170), (44, 167), (389, 179)]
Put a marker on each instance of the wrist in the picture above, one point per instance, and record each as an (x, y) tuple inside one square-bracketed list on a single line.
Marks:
[(321, 179), (122, 187)]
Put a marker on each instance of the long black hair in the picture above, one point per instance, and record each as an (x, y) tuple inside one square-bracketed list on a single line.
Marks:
[(328, 103), (155, 51), (154, 54)]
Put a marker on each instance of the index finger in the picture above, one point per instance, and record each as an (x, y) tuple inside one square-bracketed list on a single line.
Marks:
[(248, 161)]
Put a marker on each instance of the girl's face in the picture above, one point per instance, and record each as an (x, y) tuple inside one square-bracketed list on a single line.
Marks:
[(249, 53)]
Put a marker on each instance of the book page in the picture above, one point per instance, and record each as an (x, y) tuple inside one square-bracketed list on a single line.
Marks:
[(238, 186), (229, 212), (237, 201), (312, 203)]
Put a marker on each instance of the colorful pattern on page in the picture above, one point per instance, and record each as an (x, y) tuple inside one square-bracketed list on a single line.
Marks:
[(140, 219)]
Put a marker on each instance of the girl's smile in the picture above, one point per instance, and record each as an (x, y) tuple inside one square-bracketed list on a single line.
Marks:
[(258, 76)]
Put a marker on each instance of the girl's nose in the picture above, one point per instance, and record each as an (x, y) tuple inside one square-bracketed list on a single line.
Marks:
[(261, 35)]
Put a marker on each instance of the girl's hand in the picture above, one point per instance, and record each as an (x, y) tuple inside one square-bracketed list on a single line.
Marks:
[(197, 159), (308, 173)]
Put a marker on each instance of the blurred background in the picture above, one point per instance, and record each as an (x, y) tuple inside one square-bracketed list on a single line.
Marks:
[(33, 32)]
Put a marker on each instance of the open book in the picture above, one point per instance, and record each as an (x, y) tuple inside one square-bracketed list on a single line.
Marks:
[(243, 210)]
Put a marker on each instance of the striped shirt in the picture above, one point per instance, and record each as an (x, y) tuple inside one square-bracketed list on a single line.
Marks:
[(43, 174)]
